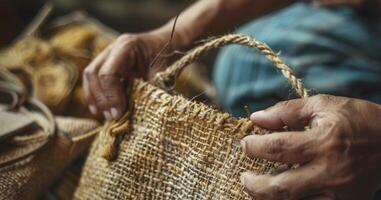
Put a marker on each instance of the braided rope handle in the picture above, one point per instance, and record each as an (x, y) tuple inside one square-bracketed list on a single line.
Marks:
[(166, 79)]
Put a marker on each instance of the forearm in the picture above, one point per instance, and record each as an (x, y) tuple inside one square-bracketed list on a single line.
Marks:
[(212, 17)]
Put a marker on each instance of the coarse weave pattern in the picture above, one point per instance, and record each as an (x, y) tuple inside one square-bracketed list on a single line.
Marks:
[(167, 147), (177, 149), (30, 177)]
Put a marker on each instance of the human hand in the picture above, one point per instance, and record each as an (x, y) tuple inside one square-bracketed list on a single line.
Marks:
[(340, 155), (103, 80)]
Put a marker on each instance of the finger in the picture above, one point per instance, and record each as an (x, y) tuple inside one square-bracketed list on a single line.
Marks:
[(296, 113), (91, 69), (293, 184), (92, 87), (89, 97), (114, 91), (110, 75), (285, 147), (288, 113)]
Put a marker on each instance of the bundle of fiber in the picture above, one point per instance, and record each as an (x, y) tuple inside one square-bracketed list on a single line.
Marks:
[(52, 66), (53, 83)]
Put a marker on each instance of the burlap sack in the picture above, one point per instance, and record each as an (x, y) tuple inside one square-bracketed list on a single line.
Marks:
[(167, 147), (31, 176), (35, 147)]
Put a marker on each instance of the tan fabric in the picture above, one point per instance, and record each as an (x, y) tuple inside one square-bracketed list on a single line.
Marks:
[(31, 176), (176, 149), (173, 148), (33, 157)]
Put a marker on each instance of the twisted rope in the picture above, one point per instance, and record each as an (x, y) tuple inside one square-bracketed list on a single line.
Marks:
[(167, 78)]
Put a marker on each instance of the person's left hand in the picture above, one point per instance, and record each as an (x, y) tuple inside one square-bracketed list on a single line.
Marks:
[(339, 156)]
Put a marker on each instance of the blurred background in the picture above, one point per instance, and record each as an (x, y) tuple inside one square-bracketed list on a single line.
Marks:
[(50, 62), (50, 65), (51, 57), (121, 15)]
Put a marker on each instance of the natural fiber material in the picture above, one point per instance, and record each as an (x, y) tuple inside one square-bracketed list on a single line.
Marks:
[(53, 84), (166, 79), (173, 148), (51, 67), (29, 177)]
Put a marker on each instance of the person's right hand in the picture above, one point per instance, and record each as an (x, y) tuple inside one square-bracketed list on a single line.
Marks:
[(129, 56)]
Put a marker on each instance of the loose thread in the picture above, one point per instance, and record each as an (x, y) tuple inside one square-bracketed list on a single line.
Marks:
[(112, 131)]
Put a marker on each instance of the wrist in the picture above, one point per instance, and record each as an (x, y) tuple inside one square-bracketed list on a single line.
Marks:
[(179, 41)]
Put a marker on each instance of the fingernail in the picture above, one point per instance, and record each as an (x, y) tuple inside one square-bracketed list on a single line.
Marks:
[(93, 109), (244, 176), (114, 113), (107, 115), (248, 177), (255, 114), (243, 145)]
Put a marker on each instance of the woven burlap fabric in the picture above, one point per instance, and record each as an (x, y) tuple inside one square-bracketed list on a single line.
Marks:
[(167, 147), (31, 176), (176, 149)]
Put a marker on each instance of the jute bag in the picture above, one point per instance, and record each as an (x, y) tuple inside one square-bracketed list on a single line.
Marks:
[(167, 147), (35, 147)]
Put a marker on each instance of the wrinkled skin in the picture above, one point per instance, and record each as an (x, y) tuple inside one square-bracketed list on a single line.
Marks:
[(340, 155)]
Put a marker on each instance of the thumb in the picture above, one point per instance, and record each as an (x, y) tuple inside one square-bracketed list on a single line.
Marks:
[(294, 114)]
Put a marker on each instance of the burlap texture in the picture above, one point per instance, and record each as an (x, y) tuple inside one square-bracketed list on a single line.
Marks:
[(30, 177), (167, 147), (176, 149)]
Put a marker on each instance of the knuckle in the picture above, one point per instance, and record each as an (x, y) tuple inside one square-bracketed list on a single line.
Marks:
[(336, 139), (323, 98), (274, 149), (106, 76), (338, 125), (336, 103), (126, 39), (99, 98), (289, 105), (283, 104), (88, 72), (123, 37), (109, 78), (111, 94)]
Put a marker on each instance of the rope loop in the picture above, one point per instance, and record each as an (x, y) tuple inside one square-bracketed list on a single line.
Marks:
[(167, 78)]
